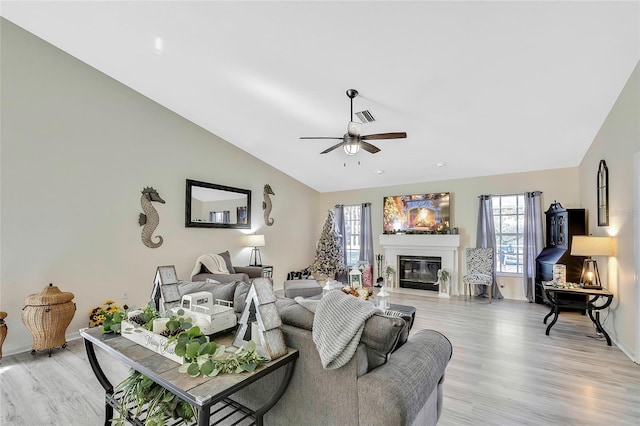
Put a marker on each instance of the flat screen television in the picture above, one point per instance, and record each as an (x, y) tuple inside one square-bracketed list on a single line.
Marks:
[(418, 213)]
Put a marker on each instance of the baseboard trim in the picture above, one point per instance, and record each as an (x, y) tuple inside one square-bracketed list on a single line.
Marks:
[(27, 348)]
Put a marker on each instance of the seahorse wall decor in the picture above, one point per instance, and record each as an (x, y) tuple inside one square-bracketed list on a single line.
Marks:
[(266, 204), (150, 218)]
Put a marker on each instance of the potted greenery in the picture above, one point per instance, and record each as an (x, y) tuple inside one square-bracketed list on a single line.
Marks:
[(389, 273), (138, 390), (443, 277), (201, 357)]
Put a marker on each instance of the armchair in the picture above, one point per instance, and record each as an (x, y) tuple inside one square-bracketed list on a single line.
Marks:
[(480, 267), (235, 273)]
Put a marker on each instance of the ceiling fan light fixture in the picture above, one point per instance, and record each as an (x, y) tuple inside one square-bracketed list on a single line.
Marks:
[(351, 148)]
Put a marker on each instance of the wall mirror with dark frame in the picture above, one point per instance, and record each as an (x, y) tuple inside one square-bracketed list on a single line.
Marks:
[(216, 206), (603, 194)]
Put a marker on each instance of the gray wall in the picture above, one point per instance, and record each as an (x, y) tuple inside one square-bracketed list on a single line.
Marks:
[(617, 142), (464, 205), (77, 149)]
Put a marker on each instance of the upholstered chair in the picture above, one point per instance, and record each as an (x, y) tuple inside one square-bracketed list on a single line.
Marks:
[(480, 265)]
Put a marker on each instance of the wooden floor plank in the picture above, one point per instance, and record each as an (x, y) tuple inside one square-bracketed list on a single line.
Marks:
[(504, 371)]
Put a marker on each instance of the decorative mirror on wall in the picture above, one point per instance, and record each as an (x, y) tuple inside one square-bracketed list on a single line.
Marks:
[(603, 194), (216, 206)]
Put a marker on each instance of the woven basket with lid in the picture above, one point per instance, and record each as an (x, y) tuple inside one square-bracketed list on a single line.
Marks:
[(3, 330), (47, 315)]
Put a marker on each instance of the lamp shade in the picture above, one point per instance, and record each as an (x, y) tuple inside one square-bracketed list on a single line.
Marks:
[(254, 240), (351, 147), (583, 245)]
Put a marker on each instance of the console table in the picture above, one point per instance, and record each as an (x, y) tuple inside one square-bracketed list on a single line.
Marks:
[(592, 296), (201, 392)]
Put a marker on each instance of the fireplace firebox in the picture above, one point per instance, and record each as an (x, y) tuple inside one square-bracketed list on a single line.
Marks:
[(419, 272)]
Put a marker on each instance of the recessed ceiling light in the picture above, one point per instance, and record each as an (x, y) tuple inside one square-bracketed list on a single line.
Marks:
[(158, 43), (441, 164)]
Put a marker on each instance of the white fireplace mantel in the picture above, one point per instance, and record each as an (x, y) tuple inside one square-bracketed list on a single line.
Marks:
[(443, 246)]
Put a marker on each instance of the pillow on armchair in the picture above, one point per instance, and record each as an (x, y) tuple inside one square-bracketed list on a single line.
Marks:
[(201, 272), (227, 260), (251, 271)]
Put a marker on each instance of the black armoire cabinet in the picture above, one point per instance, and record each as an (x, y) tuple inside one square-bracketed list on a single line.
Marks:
[(562, 225)]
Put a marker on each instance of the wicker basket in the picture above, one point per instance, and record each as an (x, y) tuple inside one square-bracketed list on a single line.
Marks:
[(3, 330), (47, 316)]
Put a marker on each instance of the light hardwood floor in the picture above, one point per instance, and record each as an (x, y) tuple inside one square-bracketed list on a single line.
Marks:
[(504, 371)]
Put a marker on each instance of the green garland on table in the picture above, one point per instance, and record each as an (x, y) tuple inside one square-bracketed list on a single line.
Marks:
[(139, 390), (210, 359), (201, 357)]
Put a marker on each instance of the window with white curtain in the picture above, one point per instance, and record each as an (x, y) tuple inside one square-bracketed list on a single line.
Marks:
[(352, 218), (508, 218)]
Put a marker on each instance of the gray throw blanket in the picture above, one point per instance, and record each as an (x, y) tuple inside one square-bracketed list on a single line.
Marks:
[(337, 326)]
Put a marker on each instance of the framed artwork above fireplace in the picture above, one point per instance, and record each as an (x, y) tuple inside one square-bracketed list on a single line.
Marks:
[(417, 213)]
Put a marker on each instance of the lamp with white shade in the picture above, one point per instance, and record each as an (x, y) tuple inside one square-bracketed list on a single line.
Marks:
[(255, 241), (588, 246)]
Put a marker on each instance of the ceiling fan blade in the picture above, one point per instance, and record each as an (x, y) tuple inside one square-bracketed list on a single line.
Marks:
[(369, 148), (378, 136), (321, 137), (338, 145)]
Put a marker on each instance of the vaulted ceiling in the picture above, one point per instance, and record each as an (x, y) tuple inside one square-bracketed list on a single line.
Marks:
[(481, 88)]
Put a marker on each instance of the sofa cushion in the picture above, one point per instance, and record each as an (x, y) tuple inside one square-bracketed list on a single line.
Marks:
[(292, 313), (382, 334), (405, 333), (227, 260), (219, 291), (301, 288), (240, 296), (223, 278)]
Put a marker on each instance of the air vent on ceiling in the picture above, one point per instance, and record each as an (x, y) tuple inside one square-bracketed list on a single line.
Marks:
[(365, 116)]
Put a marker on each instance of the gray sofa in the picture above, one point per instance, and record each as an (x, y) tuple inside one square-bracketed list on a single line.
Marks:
[(393, 379)]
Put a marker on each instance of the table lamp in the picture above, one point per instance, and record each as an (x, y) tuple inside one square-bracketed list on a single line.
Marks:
[(583, 245), (254, 241)]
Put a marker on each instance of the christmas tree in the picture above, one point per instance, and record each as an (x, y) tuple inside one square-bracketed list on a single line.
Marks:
[(329, 258)]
